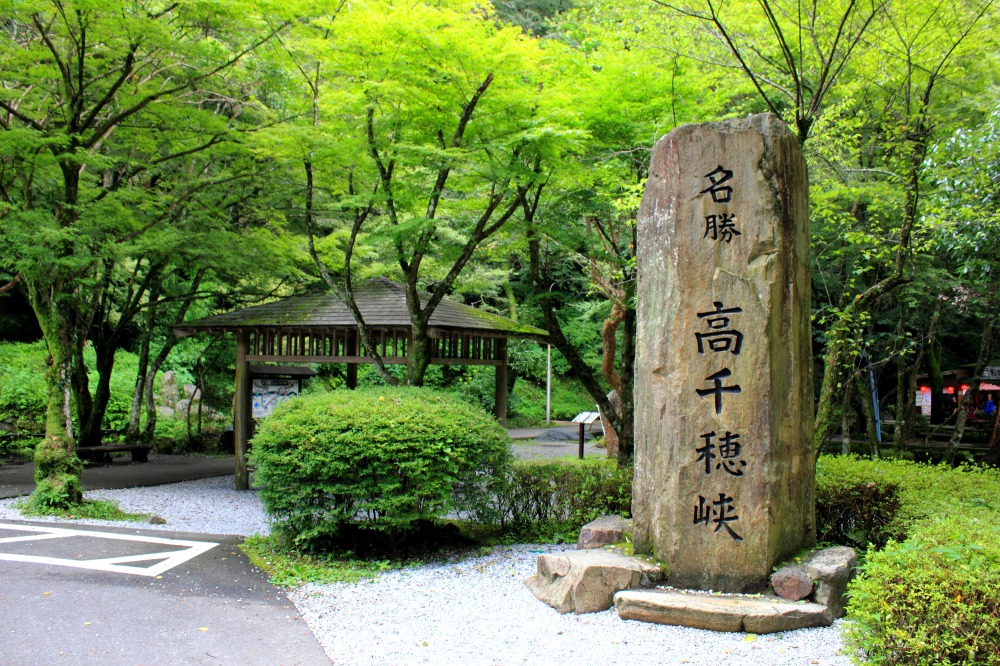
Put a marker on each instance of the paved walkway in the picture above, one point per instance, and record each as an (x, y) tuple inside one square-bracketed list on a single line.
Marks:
[(17, 480), (165, 598)]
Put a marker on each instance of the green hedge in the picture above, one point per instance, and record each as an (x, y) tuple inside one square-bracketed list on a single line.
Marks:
[(931, 599), (553, 499), (380, 459), (931, 595)]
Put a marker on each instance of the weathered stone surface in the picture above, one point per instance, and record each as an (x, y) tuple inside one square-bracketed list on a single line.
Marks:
[(610, 436), (703, 611), (832, 569), (164, 411), (724, 522), (792, 583), (604, 531), (585, 581), (169, 389), (190, 390)]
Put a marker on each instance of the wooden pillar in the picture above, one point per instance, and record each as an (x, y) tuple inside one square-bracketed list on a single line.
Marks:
[(500, 404), (352, 344), (241, 410)]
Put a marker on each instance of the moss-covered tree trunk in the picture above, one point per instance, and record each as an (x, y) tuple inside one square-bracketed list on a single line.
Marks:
[(52, 295), (57, 469)]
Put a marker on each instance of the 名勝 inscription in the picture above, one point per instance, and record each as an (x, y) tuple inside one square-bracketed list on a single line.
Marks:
[(723, 393)]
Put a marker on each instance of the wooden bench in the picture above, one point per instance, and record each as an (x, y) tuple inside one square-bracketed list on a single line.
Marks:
[(140, 452)]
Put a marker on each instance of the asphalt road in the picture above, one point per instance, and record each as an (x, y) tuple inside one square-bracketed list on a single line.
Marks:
[(161, 598)]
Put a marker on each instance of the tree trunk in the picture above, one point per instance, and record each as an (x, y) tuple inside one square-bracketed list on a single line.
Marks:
[(825, 411), (132, 434), (626, 428), (963, 402), (420, 354), (866, 408), (936, 378), (846, 421), (906, 386), (92, 420), (149, 431), (57, 469)]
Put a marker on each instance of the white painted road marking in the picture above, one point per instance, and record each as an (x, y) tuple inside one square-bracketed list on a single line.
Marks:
[(168, 559)]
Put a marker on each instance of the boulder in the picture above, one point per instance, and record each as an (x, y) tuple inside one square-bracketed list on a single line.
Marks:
[(585, 581), (832, 569), (168, 389), (724, 467), (762, 615), (792, 583), (604, 531), (165, 411), (190, 391)]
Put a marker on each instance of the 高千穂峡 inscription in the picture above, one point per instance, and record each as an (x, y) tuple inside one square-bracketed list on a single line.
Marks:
[(724, 467)]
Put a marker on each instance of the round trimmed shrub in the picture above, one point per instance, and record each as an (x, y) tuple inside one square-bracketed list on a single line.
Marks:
[(379, 459)]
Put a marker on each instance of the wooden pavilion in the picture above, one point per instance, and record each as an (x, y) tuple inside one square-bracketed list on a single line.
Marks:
[(319, 328)]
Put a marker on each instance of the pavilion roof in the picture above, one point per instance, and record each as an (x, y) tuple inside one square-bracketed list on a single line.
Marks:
[(382, 303)]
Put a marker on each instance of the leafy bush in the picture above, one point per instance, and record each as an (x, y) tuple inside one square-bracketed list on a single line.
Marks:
[(549, 499), (852, 510), (932, 599), (924, 491), (22, 385), (381, 459), (933, 596)]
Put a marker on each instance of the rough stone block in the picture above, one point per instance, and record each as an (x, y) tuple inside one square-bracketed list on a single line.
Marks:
[(792, 583), (832, 569), (585, 581), (169, 389), (718, 613), (604, 531), (724, 466)]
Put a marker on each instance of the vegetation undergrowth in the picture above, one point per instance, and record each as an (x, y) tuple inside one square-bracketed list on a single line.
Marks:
[(289, 568), (90, 509), (931, 595)]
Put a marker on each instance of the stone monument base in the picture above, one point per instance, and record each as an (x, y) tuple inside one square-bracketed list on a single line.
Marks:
[(703, 610), (809, 591)]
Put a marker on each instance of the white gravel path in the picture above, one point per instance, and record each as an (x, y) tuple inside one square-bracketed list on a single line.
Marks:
[(479, 612), (207, 506), (473, 612)]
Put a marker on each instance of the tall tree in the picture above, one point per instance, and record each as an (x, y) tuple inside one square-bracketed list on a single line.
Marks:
[(87, 87), (418, 146)]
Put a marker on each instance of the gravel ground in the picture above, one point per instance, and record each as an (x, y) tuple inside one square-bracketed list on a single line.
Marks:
[(479, 612), (207, 506), (472, 612)]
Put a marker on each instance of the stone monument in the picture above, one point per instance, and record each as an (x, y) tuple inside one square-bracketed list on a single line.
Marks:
[(724, 476)]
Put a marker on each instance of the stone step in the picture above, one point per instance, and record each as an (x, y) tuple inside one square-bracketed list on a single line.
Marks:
[(585, 581), (763, 615)]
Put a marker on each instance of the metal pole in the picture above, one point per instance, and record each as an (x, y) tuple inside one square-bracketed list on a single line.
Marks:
[(581, 440), (548, 389), (876, 411)]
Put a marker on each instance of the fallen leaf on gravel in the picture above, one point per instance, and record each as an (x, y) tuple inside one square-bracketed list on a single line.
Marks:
[(87, 624), (202, 628), (46, 594)]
